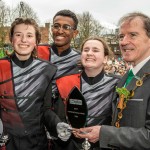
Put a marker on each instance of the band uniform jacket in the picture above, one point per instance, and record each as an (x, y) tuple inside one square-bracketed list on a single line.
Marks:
[(25, 102), (134, 131)]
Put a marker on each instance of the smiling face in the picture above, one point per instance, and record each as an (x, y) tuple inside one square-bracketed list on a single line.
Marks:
[(23, 41), (92, 57), (62, 38), (134, 42)]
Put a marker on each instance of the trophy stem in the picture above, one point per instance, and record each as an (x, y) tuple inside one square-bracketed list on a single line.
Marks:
[(86, 145)]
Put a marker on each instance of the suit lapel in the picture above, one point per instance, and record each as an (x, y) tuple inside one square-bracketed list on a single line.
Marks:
[(131, 85), (123, 80)]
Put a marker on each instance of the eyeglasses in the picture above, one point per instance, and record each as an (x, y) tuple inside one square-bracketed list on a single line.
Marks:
[(65, 27)]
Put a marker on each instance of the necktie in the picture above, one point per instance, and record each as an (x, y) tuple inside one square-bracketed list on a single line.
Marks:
[(129, 78)]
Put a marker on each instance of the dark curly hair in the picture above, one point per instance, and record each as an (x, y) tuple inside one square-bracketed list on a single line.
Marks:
[(68, 13)]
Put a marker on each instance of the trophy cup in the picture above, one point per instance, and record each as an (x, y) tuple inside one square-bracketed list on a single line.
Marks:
[(76, 112)]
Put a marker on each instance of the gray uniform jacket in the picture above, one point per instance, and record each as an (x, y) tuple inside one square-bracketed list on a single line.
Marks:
[(134, 131)]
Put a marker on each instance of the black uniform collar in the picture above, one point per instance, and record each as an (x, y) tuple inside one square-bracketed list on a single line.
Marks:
[(93, 80), (65, 52), (22, 64)]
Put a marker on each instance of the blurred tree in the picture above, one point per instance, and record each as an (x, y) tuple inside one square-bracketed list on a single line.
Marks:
[(7, 15), (87, 26), (24, 10), (3, 23)]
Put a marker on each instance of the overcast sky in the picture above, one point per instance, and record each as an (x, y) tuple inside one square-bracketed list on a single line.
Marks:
[(105, 11)]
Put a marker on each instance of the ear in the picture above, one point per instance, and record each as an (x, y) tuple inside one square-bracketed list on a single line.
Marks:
[(149, 42), (11, 42), (105, 59), (51, 29), (75, 32)]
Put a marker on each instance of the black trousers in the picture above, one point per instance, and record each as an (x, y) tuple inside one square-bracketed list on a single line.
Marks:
[(36, 141)]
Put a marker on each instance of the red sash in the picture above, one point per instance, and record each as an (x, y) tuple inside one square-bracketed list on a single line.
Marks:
[(3, 147), (9, 110), (66, 83), (43, 52)]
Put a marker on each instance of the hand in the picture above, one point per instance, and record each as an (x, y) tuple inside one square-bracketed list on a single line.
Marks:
[(64, 131), (92, 133)]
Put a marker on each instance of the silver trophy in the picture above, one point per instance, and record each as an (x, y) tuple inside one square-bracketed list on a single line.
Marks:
[(77, 112), (86, 145)]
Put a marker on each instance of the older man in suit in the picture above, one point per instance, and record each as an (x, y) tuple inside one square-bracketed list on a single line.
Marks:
[(130, 128)]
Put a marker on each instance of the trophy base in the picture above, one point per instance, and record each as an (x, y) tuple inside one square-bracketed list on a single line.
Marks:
[(86, 145)]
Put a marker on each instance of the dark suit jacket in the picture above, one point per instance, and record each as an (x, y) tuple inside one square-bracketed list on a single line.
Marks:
[(134, 131)]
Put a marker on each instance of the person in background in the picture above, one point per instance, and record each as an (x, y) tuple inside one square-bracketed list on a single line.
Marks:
[(25, 91), (96, 86), (131, 115)]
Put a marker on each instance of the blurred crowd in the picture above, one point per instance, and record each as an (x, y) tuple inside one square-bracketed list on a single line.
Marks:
[(117, 66)]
